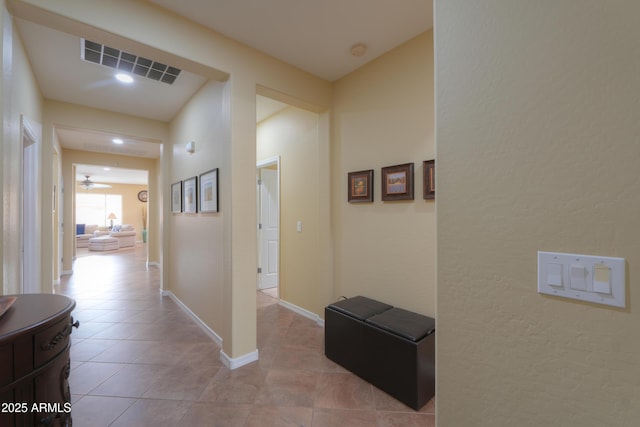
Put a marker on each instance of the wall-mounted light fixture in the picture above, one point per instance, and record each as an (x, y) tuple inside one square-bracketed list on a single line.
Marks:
[(191, 147)]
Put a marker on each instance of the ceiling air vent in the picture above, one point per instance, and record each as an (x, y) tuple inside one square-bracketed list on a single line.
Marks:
[(127, 62)]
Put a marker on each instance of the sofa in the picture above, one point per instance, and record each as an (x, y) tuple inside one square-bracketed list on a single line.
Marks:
[(84, 232), (125, 233)]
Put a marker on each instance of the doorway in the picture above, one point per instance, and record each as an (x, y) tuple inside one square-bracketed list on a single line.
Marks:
[(268, 192)]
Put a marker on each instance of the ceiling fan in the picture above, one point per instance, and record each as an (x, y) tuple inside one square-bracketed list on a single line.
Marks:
[(87, 184)]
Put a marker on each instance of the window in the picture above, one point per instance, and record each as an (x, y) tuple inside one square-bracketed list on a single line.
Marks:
[(95, 208)]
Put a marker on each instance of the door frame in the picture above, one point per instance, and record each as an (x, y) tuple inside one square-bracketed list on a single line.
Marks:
[(30, 238), (271, 161)]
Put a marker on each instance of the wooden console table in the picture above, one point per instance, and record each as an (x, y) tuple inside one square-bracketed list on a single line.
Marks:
[(34, 361)]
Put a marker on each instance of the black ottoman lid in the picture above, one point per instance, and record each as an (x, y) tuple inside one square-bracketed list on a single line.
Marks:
[(407, 324), (360, 307)]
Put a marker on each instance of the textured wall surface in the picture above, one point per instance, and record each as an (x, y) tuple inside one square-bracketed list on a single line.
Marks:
[(537, 129)]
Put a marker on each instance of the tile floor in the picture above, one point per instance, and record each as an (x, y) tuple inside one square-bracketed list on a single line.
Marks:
[(138, 360)]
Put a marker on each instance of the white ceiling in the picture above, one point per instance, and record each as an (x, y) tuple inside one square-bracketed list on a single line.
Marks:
[(315, 36)]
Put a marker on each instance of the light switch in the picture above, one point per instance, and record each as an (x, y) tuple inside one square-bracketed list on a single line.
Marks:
[(577, 277), (554, 274), (590, 278), (601, 279)]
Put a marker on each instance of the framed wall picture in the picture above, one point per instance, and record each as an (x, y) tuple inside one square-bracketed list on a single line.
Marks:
[(189, 195), (397, 182), (208, 194), (176, 197), (360, 186), (429, 179)]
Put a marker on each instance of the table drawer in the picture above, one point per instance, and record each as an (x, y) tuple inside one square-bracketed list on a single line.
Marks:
[(50, 342)]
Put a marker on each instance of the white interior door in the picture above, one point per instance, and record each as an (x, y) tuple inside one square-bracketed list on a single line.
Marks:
[(269, 228)]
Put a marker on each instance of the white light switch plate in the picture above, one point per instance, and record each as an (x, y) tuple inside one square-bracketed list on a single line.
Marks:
[(579, 279)]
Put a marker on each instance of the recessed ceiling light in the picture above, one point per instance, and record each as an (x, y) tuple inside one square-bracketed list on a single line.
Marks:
[(106, 169), (117, 141), (124, 78)]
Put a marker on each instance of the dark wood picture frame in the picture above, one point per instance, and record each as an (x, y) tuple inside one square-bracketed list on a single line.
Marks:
[(397, 182), (190, 195), (208, 191), (360, 186), (429, 179), (176, 197)]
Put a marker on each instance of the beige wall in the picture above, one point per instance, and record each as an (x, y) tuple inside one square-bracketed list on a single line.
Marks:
[(383, 116), (537, 129), (293, 135), (131, 207), (20, 96), (197, 252)]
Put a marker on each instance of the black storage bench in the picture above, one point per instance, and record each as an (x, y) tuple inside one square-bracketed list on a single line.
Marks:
[(392, 348), (344, 332)]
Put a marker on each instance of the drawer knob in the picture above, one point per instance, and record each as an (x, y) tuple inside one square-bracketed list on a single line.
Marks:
[(75, 324)]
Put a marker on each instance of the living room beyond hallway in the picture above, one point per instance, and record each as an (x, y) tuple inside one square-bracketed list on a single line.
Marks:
[(138, 359)]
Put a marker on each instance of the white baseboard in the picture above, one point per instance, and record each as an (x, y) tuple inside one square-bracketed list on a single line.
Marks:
[(153, 264), (207, 330), (66, 273), (236, 362), (303, 312)]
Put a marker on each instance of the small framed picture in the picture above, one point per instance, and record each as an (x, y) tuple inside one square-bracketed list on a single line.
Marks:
[(360, 186), (176, 197), (429, 179), (397, 182), (189, 195), (208, 194)]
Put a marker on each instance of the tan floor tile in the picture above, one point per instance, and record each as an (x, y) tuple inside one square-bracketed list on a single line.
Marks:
[(89, 348), (238, 386), (96, 411), (215, 415), (288, 388), (153, 413), (89, 375), (180, 383), (397, 419), (131, 381), (279, 416), (343, 417), (344, 391)]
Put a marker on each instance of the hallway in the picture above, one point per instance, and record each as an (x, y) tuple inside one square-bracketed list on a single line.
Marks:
[(139, 360)]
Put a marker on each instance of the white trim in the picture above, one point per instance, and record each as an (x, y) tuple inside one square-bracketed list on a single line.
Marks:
[(303, 312), (153, 264), (236, 362), (207, 330), (66, 273)]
